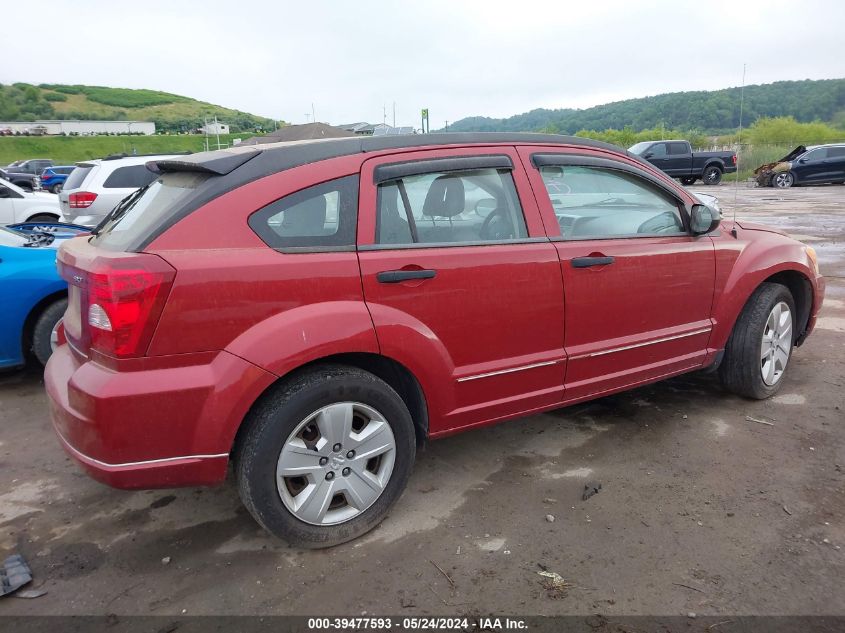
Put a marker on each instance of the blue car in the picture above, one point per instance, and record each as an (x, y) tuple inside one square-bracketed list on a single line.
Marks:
[(32, 295), (53, 178)]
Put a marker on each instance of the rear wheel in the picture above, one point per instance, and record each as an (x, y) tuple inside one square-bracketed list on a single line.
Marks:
[(325, 455), (712, 175), (688, 180), (783, 180), (45, 331), (760, 345)]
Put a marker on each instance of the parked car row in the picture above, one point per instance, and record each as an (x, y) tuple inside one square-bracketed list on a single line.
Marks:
[(311, 312)]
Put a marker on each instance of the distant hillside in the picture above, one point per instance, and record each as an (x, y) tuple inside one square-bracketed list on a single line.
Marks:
[(170, 112), (713, 111)]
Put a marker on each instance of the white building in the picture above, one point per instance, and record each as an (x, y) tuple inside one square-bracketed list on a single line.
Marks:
[(82, 128), (214, 127)]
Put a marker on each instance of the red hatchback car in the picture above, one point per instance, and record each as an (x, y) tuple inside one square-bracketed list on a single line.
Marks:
[(313, 311)]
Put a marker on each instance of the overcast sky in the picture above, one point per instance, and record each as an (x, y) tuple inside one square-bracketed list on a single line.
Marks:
[(457, 57)]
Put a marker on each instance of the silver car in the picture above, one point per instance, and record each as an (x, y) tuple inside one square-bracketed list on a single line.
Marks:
[(95, 187)]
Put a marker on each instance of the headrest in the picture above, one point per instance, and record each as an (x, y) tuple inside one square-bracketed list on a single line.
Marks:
[(445, 197)]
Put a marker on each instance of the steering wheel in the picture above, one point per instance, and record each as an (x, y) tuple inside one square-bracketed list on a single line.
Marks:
[(497, 226)]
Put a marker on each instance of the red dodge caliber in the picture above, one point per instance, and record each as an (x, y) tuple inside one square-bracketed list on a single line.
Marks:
[(312, 311)]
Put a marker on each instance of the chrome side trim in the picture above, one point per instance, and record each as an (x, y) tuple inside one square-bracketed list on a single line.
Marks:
[(147, 462), (636, 345), (510, 371)]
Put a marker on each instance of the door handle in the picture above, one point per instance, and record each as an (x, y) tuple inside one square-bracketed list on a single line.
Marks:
[(586, 262), (397, 276)]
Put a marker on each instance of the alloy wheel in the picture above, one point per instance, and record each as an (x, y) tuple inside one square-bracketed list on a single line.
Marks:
[(336, 463), (776, 343)]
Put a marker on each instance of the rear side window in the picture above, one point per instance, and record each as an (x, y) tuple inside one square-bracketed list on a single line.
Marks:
[(677, 148), (145, 210), (132, 177), (77, 177), (464, 207), (836, 152), (320, 217)]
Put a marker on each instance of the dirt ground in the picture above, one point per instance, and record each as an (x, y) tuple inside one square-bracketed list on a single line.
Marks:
[(701, 508)]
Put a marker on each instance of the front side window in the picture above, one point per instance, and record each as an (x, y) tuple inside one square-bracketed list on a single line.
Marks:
[(479, 205), (815, 155), (597, 202), (322, 216), (658, 150)]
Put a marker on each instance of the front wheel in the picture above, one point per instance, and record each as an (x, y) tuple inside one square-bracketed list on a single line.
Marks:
[(760, 346), (57, 188), (325, 455), (783, 180), (712, 175)]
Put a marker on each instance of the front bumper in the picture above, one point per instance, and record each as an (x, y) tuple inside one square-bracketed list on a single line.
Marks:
[(153, 427)]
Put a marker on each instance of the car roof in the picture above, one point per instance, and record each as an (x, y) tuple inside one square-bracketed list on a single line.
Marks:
[(124, 160), (256, 161)]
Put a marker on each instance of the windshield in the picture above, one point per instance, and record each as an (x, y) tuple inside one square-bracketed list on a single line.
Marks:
[(639, 148), (140, 213)]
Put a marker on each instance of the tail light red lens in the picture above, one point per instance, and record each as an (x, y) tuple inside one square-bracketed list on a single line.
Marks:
[(734, 159), (119, 306), (81, 199)]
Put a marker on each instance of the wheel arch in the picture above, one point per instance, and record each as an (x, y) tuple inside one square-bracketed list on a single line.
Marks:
[(802, 294), (714, 162), (37, 212), (394, 373), (32, 317)]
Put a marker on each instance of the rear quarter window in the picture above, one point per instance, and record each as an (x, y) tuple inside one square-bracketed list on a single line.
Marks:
[(132, 177), (322, 217), (77, 177)]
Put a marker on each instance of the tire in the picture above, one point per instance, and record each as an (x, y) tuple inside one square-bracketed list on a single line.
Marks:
[(783, 180), (688, 180), (43, 217), (42, 333), (712, 175), (57, 188), (744, 368), (271, 429)]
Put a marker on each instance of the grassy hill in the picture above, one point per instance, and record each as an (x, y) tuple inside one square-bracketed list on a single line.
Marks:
[(67, 150), (712, 112), (170, 112)]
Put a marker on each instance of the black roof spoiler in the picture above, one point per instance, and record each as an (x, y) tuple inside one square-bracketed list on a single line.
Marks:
[(217, 163)]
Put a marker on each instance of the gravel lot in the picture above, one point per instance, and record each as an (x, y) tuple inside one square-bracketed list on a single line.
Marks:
[(701, 509)]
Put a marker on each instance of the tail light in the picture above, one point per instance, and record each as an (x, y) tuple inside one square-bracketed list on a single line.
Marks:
[(118, 305), (81, 199), (734, 158)]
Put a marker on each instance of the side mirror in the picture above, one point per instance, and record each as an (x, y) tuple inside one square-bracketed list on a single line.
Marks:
[(485, 206), (703, 219), (648, 155), (802, 160)]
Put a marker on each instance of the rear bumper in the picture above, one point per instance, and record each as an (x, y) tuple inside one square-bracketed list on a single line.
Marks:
[(152, 428)]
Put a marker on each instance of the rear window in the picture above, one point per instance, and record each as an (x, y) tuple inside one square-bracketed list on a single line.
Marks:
[(132, 177), (77, 176), (142, 212), (62, 170)]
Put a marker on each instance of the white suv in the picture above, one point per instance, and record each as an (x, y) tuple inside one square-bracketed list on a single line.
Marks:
[(96, 186)]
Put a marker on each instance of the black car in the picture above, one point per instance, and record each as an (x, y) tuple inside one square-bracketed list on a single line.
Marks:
[(27, 182), (818, 164), (31, 166)]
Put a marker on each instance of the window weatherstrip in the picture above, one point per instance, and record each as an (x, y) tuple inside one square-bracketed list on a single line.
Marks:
[(395, 171)]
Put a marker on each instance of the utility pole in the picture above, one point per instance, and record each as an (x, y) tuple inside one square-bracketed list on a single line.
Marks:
[(394, 114), (447, 125), (313, 113), (217, 131)]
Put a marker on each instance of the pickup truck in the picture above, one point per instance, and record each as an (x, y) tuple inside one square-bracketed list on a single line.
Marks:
[(677, 160), (27, 182)]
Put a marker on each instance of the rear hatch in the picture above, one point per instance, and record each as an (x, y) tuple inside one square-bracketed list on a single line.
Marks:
[(115, 293), (75, 185)]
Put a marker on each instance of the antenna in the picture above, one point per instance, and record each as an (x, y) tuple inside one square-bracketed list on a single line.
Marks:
[(738, 147)]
